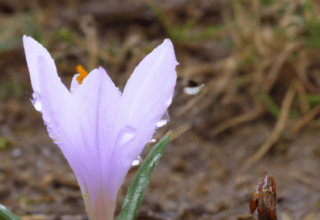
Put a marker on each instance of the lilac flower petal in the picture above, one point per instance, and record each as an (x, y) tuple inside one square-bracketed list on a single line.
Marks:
[(57, 106), (97, 101), (33, 51), (74, 83), (52, 96), (146, 97)]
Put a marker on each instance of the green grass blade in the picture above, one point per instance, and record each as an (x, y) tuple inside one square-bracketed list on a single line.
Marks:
[(132, 202), (5, 214), (273, 108), (313, 99)]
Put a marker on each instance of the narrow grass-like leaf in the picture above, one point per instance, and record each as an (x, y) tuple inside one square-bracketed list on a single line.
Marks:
[(313, 99), (32, 27), (5, 214), (160, 15), (273, 108), (4, 143), (312, 25), (132, 202), (209, 32)]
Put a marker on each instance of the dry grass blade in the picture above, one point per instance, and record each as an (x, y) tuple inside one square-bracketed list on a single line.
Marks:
[(281, 123), (249, 116), (304, 105), (88, 27), (305, 119), (274, 72), (180, 130)]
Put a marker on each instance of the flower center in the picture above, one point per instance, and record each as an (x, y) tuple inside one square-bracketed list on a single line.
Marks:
[(83, 73)]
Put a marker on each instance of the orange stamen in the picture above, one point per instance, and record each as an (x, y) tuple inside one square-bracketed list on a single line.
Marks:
[(83, 73)]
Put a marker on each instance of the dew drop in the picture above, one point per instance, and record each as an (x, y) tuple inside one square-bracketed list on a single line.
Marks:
[(137, 161), (164, 120), (55, 140), (38, 106), (161, 123), (126, 134), (169, 101), (193, 90), (152, 140), (36, 101)]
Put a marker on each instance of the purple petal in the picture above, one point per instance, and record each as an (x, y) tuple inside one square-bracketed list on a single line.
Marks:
[(97, 103), (74, 121), (33, 51), (74, 83), (147, 95)]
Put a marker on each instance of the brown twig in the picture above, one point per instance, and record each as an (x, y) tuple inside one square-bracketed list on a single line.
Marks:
[(304, 105), (249, 116), (180, 130), (274, 72), (305, 119), (281, 123), (89, 29)]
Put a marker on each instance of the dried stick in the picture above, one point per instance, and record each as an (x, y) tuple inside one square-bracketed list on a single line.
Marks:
[(180, 130), (89, 29), (249, 116), (274, 72), (305, 119), (281, 123), (304, 105)]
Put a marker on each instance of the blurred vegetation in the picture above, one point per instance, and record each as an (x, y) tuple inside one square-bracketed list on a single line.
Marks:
[(14, 26), (182, 34), (13, 88), (273, 46), (257, 59), (4, 143)]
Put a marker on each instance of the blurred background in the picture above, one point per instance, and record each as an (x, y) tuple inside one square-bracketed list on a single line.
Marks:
[(247, 102)]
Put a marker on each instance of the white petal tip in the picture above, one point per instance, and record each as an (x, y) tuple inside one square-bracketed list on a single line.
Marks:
[(168, 47), (28, 39)]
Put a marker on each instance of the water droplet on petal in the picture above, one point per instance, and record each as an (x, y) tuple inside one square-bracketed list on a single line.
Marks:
[(169, 101), (38, 106), (164, 120), (126, 134), (53, 131), (193, 90), (161, 123), (137, 161), (36, 101), (152, 140)]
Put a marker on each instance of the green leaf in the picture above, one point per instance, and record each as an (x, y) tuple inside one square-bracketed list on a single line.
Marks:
[(160, 15), (209, 32), (32, 27), (132, 202), (4, 143), (273, 108), (313, 99), (267, 2), (10, 32), (5, 214), (312, 25)]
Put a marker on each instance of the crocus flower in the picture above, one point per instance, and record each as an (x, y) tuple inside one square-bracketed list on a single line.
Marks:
[(99, 129)]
